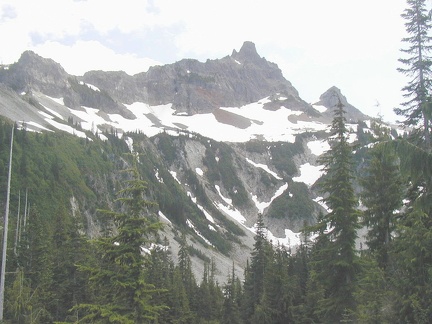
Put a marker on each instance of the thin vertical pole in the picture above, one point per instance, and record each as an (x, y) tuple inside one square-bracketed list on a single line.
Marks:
[(17, 229), (5, 233)]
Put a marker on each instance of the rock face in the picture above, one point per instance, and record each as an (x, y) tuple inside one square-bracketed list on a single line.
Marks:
[(192, 87), (195, 87), (192, 175), (33, 73), (36, 73), (330, 99)]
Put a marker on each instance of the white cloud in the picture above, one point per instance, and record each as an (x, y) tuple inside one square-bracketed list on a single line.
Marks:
[(317, 44), (84, 56)]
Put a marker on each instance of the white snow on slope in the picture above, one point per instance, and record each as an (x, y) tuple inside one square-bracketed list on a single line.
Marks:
[(265, 168), (309, 174), (66, 128), (90, 117), (318, 147), (263, 205), (290, 239), (164, 217), (36, 125), (91, 86), (53, 113), (320, 108), (58, 100), (174, 175), (206, 214), (191, 225), (256, 122)]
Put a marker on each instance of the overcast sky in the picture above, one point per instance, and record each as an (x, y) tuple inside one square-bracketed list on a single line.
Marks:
[(352, 44)]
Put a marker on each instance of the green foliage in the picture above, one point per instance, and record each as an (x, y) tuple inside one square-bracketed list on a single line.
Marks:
[(417, 66), (294, 203), (283, 154), (336, 258), (221, 167), (122, 262), (382, 197), (166, 145)]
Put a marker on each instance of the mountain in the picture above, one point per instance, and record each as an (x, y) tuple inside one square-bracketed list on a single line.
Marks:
[(221, 142)]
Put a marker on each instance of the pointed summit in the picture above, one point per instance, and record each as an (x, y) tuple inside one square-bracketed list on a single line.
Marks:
[(330, 99), (247, 52), (34, 72)]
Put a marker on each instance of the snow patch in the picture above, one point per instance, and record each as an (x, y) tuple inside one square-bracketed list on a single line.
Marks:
[(232, 212), (91, 86), (66, 128), (129, 142), (158, 177), (227, 200), (57, 100), (265, 168), (263, 205), (320, 201), (161, 215), (320, 108), (309, 174), (318, 147), (192, 226), (174, 175)]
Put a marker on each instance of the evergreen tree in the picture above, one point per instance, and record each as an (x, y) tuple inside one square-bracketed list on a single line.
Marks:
[(187, 276), (230, 309), (70, 248), (382, 197), (179, 310), (417, 108), (36, 262), (209, 296), (414, 231), (159, 274), (119, 281), (277, 296), (373, 294), (337, 257), (254, 274)]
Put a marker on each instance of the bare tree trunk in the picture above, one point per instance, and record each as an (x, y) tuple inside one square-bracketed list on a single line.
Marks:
[(17, 229), (5, 233)]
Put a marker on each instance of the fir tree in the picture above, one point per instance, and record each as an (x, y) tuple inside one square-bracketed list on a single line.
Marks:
[(337, 257), (254, 274), (417, 108), (119, 282), (187, 276), (230, 309), (277, 296), (382, 197)]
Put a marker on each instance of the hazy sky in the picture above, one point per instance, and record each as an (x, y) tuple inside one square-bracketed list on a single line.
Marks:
[(352, 44)]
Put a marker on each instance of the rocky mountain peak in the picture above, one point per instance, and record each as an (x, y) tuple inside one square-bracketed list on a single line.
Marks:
[(195, 87), (330, 99), (33, 72), (247, 52)]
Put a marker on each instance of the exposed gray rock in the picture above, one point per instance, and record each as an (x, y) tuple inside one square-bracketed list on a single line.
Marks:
[(33, 73), (196, 87), (330, 99)]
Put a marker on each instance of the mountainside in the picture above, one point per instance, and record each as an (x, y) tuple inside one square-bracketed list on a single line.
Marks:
[(221, 142)]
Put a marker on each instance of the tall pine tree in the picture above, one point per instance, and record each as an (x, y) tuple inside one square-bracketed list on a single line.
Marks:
[(119, 281), (382, 197), (337, 259), (417, 108)]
